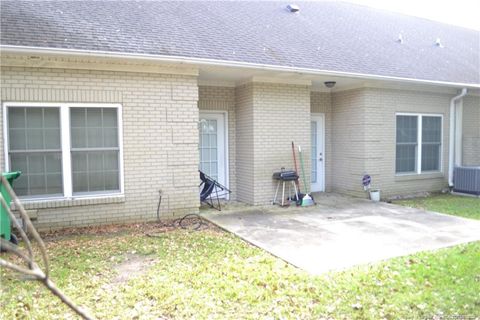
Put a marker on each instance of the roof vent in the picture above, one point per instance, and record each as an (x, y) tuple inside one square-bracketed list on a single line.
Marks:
[(400, 38), (438, 43), (293, 8)]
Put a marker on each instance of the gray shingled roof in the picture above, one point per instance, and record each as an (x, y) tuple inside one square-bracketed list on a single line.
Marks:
[(323, 35)]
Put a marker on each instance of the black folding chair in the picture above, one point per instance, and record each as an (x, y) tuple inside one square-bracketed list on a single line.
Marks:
[(212, 191)]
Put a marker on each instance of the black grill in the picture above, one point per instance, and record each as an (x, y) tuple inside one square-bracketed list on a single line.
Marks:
[(285, 175)]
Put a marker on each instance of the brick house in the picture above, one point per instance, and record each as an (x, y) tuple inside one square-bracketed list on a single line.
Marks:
[(104, 105)]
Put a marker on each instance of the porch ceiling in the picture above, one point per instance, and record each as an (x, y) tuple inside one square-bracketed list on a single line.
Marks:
[(231, 76), (234, 76)]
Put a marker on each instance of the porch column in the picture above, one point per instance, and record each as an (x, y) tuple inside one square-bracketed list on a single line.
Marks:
[(269, 116)]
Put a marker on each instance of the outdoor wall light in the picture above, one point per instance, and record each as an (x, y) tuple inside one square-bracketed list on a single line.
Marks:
[(330, 84)]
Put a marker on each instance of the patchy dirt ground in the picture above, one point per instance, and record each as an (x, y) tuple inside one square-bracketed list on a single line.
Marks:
[(132, 266), (150, 228)]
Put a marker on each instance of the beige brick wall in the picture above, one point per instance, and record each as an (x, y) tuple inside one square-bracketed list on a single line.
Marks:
[(244, 143), (321, 102), (214, 98), (364, 139), (471, 131), (348, 145), (269, 117), (160, 118), (381, 106)]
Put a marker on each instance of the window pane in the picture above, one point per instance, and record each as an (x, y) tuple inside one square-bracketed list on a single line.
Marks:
[(407, 129), (51, 118), (406, 158), (79, 137), (109, 118), (80, 182), (79, 162), (110, 138), (34, 128), (35, 139), (94, 138), (406, 150), (94, 128), (36, 165), (34, 118), (77, 117), (94, 117), (111, 160), (54, 183), (18, 139), (95, 171), (430, 157), (52, 139), (431, 143), (16, 117), (41, 173), (431, 129)]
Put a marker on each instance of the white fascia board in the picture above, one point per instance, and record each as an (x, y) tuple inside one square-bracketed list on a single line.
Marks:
[(223, 63)]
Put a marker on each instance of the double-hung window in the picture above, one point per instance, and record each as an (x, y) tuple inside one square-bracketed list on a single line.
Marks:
[(418, 143), (64, 150)]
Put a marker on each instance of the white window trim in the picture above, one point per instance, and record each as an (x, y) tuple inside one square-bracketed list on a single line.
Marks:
[(419, 142), (66, 151)]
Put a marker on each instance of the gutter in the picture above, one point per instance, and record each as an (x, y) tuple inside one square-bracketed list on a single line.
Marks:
[(219, 63), (451, 149)]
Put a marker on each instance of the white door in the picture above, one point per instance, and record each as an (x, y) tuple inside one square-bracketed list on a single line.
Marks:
[(212, 146), (318, 152)]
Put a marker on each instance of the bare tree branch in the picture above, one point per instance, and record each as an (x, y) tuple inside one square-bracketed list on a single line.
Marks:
[(24, 236), (31, 268), (28, 222), (14, 249), (20, 269)]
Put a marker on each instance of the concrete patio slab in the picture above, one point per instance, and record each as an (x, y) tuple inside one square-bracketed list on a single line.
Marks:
[(340, 232)]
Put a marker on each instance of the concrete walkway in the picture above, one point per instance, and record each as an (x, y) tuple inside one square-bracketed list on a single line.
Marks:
[(341, 232)]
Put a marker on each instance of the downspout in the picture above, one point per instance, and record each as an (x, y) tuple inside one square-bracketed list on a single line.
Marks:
[(451, 150)]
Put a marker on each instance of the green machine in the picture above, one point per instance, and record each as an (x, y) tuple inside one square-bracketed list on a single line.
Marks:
[(5, 223)]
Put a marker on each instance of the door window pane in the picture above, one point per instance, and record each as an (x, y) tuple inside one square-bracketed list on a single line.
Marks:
[(208, 147), (313, 130)]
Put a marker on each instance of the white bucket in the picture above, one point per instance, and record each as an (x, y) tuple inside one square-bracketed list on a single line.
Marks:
[(375, 195)]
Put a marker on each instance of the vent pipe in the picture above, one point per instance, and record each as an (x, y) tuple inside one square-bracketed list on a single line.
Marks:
[(293, 8), (400, 38)]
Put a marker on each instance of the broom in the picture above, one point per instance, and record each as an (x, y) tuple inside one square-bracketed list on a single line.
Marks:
[(297, 183), (307, 199)]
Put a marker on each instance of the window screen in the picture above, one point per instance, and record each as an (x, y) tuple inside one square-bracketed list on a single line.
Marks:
[(95, 149), (431, 143), (406, 153), (35, 149)]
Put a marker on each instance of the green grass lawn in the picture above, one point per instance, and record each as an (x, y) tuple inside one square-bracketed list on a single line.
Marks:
[(211, 274), (468, 207)]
